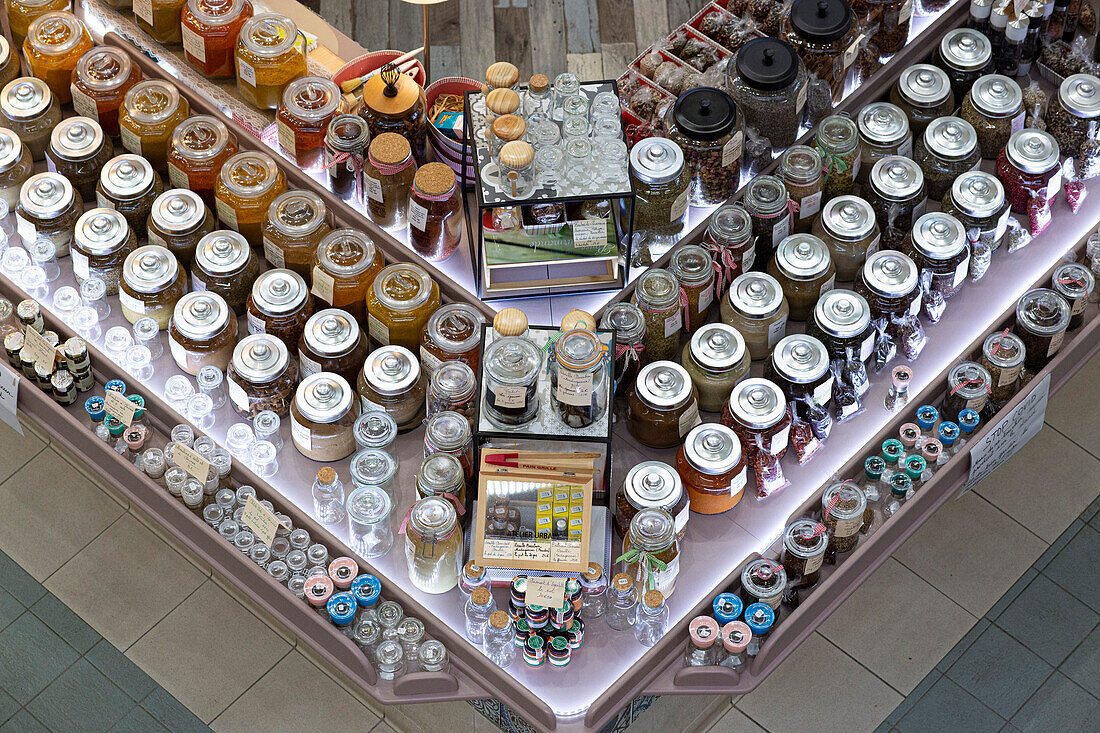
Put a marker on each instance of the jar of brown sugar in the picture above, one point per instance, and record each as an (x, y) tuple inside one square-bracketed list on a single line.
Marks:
[(321, 417)]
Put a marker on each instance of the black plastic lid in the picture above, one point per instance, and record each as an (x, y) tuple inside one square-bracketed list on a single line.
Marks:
[(705, 113), (767, 64), (821, 21)]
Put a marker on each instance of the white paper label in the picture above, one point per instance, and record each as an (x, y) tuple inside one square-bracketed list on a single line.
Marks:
[(226, 214), (429, 362), (418, 215), (155, 238), (1008, 435), (737, 483), (574, 388), (178, 352), (377, 330), (144, 10), (26, 230), (256, 324), (866, 347), (781, 229), (731, 151), (245, 72), (1009, 375), (690, 419), (589, 233), (1055, 343), (747, 259), (237, 395), (1018, 122), (1002, 225), (1078, 306), (906, 11), (673, 324), (84, 105), (261, 520), (307, 366), (681, 519), (1054, 184), (130, 140), (80, 263), (9, 398), (960, 273), (273, 254), (906, 147), (103, 202), (779, 440), (827, 286), (800, 99), (177, 176), (510, 396), (855, 165), (823, 392), (914, 307), (679, 205), (809, 206), (851, 51), (374, 188), (847, 527), (366, 405), (130, 303), (301, 435), (323, 284), (706, 297), (193, 43), (776, 331), (286, 136), (812, 564)]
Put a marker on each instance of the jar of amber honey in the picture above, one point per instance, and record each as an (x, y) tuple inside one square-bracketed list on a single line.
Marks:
[(31, 112), (21, 13), (99, 85), (78, 150), (267, 59), (345, 264), (178, 221), (453, 333), (399, 303), (203, 332), (302, 121), (209, 29), (129, 185), (435, 212), (247, 185), (149, 115), (160, 19), (296, 223), (200, 146), (55, 42), (388, 177)]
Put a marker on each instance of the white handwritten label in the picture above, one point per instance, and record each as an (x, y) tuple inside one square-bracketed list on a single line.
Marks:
[(36, 345), (226, 213), (824, 392), (9, 398), (851, 52), (237, 395), (906, 11), (122, 409), (306, 365), (303, 439), (1055, 343), (960, 273), (866, 347), (874, 245), (776, 331), (245, 72), (748, 258), (809, 206), (261, 520), (80, 263), (377, 330), (906, 148), (731, 151), (706, 297), (84, 105), (374, 188), (144, 10), (191, 462), (323, 284), (273, 253), (574, 388), (800, 99), (689, 419), (510, 396), (679, 205), (1021, 424), (781, 229), (418, 216), (130, 303), (130, 140), (429, 361), (177, 176), (779, 440), (285, 135), (1018, 122), (546, 591), (589, 233), (827, 285), (673, 324), (26, 230), (193, 43)]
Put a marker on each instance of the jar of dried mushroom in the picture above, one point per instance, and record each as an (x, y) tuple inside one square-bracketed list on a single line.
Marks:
[(332, 342), (279, 305), (801, 169), (261, 376), (1073, 114), (755, 306), (842, 321), (388, 177), (948, 148), (128, 184), (345, 264), (923, 92), (101, 241), (803, 551), (995, 107), (48, 209), (1003, 358), (1029, 169), (31, 112), (203, 332), (826, 36), (837, 140), (716, 359), (16, 166), (224, 264), (891, 19), (399, 303), (895, 192), (321, 417), (452, 387), (579, 387), (391, 380), (663, 405), (452, 333), (800, 367), (712, 468), (657, 294), (1042, 318), (78, 150), (804, 270), (977, 199), (511, 376), (883, 132), (178, 222), (661, 187), (938, 245), (768, 81), (965, 54), (1075, 283), (707, 125), (768, 204), (969, 386), (694, 270), (296, 223), (848, 228), (842, 508)]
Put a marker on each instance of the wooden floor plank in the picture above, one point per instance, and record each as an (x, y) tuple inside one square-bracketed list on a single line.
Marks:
[(585, 66), (446, 61), (616, 57), (582, 26), (680, 11), (512, 33), (616, 21), (477, 37), (547, 19), (650, 21), (337, 13)]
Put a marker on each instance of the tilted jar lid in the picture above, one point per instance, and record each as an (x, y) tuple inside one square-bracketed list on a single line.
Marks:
[(663, 384), (717, 347), (323, 397), (311, 97), (705, 113), (951, 137), (691, 264), (391, 370), (249, 174), (513, 360), (653, 484), (268, 34), (11, 149), (391, 93), (938, 235), (1043, 311), (757, 403), (346, 252), (457, 319), (178, 210), (1073, 281), (767, 64), (730, 225), (656, 160), (45, 195), (279, 291), (127, 176), (965, 49), (978, 193), (1032, 151), (578, 349), (56, 33), (842, 313), (924, 85), (897, 177), (850, 501), (104, 68), (200, 314), (152, 101), (882, 123), (627, 320), (712, 448), (405, 279), (968, 380), (890, 273), (331, 332), (756, 294), (802, 257), (222, 252), (101, 232), (802, 540), (297, 214), (1080, 95), (996, 95), (76, 138), (800, 359), (260, 358), (25, 97), (200, 137), (848, 218), (821, 21)]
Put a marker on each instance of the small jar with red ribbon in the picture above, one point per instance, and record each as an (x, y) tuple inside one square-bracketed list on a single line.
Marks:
[(387, 178), (628, 323), (694, 269), (804, 543), (969, 385), (729, 239), (345, 153)]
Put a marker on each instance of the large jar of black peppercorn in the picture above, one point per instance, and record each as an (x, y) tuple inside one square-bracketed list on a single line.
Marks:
[(706, 124), (511, 374), (896, 193), (1042, 317), (768, 81), (965, 54)]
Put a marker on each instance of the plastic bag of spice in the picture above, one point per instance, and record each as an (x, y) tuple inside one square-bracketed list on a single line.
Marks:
[(868, 53), (1074, 185), (1016, 236), (981, 254), (1038, 213), (885, 348), (758, 151), (803, 440), (1088, 164), (932, 301), (1034, 101), (819, 99), (846, 399), (768, 473), (821, 422), (908, 334)]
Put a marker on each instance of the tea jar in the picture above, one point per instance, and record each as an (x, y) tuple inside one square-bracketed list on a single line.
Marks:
[(332, 342), (178, 221), (826, 37), (31, 112), (209, 30), (321, 417), (965, 54), (1003, 358), (883, 132), (261, 376), (435, 212), (433, 545), (452, 387), (1073, 114), (628, 324), (224, 264), (150, 285), (923, 93), (969, 386), (1074, 282), (842, 507), (101, 241), (716, 359), (768, 204), (345, 265), (731, 245), (938, 245), (148, 117), (889, 281), (651, 485), (391, 380), (768, 81), (804, 269), (388, 178), (712, 468), (799, 365), (48, 208), (804, 551), (55, 42), (694, 271), (663, 406), (452, 333), (1042, 317), (1029, 169), (279, 305), (394, 102), (757, 412), (247, 185), (895, 192), (308, 105), (579, 388), (977, 200), (129, 185), (801, 169), (21, 13), (345, 153), (848, 228), (511, 377), (16, 166), (99, 84), (657, 295), (267, 58), (160, 19), (200, 146), (756, 307), (661, 186), (78, 150), (763, 581), (296, 223), (707, 126), (948, 148), (652, 537), (995, 107), (203, 332), (842, 322), (400, 301), (441, 475), (837, 140)]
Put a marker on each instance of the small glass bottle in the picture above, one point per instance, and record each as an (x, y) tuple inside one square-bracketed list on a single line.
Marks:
[(594, 592), (328, 497), (652, 618), (837, 140), (345, 155), (701, 650), (500, 646), (368, 509), (478, 609), (735, 641), (622, 598)]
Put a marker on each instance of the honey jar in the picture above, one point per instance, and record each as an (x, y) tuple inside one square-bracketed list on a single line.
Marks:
[(55, 42), (302, 121), (209, 30), (247, 185), (99, 85), (149, 115), (200, 146), (267, 59)]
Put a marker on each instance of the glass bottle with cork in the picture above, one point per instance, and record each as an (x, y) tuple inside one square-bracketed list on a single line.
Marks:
[(388, 178), (435, 212)]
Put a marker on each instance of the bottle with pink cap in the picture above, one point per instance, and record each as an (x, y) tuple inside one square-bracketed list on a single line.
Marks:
[(701, 649), (736, 636)]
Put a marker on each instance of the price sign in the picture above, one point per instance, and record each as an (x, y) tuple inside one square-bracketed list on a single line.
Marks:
[(545, 591), (9, 397), (1009, 435), (260, 520), (36, 344), (120, 408), (190, 461)]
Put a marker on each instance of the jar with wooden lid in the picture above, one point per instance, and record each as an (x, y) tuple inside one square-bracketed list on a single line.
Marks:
[(837, 140), (969, 386), (895, 191), (345, 155), (394, 102), (388, 178), (712, 468), (452, 333), (391, 380), (948, 148), (768, 204), (651, 485), (707, 126), (1074, 282), (247, 185), (504, 101), (308, 105), (995, 107), (321, 417), (267, 58), (652, 551), (804, 269), (332, 342), (200, 146), (148, 117), (756, 307), (657, 295), (151, 285), (178, 221), (511, 377), (693, 269), (99, 85), (517, 168), (48, 208), (160, 19), (55, 42), (923, 93), (203, 332), (101, 242), (825, 34), (452, 387), (209, 31), (505, 129), (799, 365), (345, 264), (1042, 317), (938, 245), (279, 305), (400, 301), (729, 240), (803, 551), (661, 187), (800, 167), (128, 184), (225, 264), (663, 406), (31, 112), (716, 359), (433, 545), (1003, 358), (1073, 114), (435, 212), (628, 323), (261, 376), (965, 54), (78, 150), (296, 223), (848, 228), (16, 166), (977, 199), (21, 13), (842, 321), (757, 412), (883, 132)]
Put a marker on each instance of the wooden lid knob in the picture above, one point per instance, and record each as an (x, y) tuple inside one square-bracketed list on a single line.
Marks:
[(517, 154), (539, 83), (502, 101), (510, 322), (577, 318), (509, 127), (502, 74)]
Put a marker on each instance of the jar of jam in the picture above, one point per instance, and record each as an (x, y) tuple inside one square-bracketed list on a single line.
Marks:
[(694, 270), (757, 412), (842, 321), (452, 387), (896, 193), (511, 376), (938, 245), (965, 54), (651, 485), (804, 270), (837, 140), (394, 102), (129, 185), (309, 104), (435, 212), (848, 228), (399, 303), (21, 13), (948, 148), (995, 107), (261, 376), (716, 359), (452, 333), (99, 85), (842, 507), (203, 332), (661, 187), (826, 37), (148, 117), (267, 59), (763, 581), (889, 282), (9, 63), (16, 166), (55, 42), (977, 200), (730, 242), (707, 126), (101, 241), (345, 155), (804, 551), (1042, 317), (151, 285), (1073, 114), (296, 223), (883, 132), (1075, 283), (969, 386), (712, 468), (332, 342), (800, 366), (652, 552), (767, 202), (388, 178), (755, 306), (1003, 358), (578, 379), (923, 93), (657, 295), (321, 417), (224, 264), (31, 112), (78, 150), (48, 208), (209, 30), (200, 147), (1029, 169), (247, 185), (279, 305), (178, 221), (160, 19), (391, 380), (663, 407), (345, 265)]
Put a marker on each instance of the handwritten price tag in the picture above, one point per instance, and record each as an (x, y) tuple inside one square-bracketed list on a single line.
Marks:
[(190, 461), (36, 344), (262, 522), (546, 591), (120, 408)]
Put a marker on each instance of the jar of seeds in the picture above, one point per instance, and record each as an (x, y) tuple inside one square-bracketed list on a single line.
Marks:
[(661, 187), (694, 270), (923, 92), (707, 125), (800, 167), (995, 108), (838, 142), (948, 148), (1073, 114), (883, 131)]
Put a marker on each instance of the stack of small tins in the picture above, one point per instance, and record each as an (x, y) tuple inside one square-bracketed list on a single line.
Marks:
[(546, 633), (127, 440), (67, 374)]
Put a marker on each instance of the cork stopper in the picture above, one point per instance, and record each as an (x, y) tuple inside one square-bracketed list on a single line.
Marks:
[(517, 154), (502, 101), (327, 475), (539, 83), (498, 620), (510, 322), (502, 74), (621, 582), (594, 572), (481, 596), (472, 569), (577, 318), (509, 127), (434, 179), (653, 598), (389, 148)]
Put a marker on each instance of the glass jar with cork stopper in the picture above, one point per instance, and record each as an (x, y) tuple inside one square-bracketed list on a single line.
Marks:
[(345, 264), (267, 58), (99, 84), (178, 221), (209, 30), (247, 185), (435, 212), (394, 102), (200, 146), (388, 178), (225, 264), (55, 42)]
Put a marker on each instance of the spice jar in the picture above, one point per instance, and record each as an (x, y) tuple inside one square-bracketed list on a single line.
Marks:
[(9, 63), (279, 305), (837, 140), (995, 108), (433, 545), (895, 192), (78, 150), (661, 187), (160, 19), (150, 285), (345, 264), (21, 13), (101, 241), (452, 333), (1042, 317), (321, 417), (247, 185), (294, 226), (209, 30), (1073, 114), (302, 121), (399, 303), (716, 359), (694, 271), (712, 468), (842, 321), (804, 270), (767, 202), (203, 332), (969, 386), (48, 209), (332, 342), (758, 414), (267, 59), (768, 82), (965, 54), (729, 239), (261, 376), (1075, 283), (628, 323), (129, 185), (99, 85), (948, 148), (391, 380), (651, 485), (842, 507), (755, 306), (388, 178), (977, 200), (799, 365), (803, 551), (55, 42), (663, 406), (890, 17), (1003, 358), (801, 169), (657, 295), (763, 581), (200, 146), (706, 124), (938, 246), (578, 379), (826, 38), (31, 112), (923, 93), (1029, 169), (652, 552), (435, 212), (511, 376), (452, 387), (345, 153), (849, 230), (224, 264), (148, 117), (16, 166), (889, 282), (394, 102), (883, 132)]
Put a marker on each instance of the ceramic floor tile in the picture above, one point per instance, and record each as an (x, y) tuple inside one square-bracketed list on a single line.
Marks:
[(912, 699), (207, 651), (948, 707), (138, 721), (81, 700), (171, 713), (15, 580), (1075, 567), (10, 609), (383, 727), (16, 449), (1048, 620), (120, 670), (1083, 666), (1076, 417), (65, 623), (117, 601), (52, 512), (999, 671), (31, 657), (275, 702), (695, 712), (1049, 460), (973, 574), (1059, 544), (23, 722), (8, 706), (435, 715), (817, 670), (1058, 705), (1012, 594), (897, 625), (964, 643), (735, 721)]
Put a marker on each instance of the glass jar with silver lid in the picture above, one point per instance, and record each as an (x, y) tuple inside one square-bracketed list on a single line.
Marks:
[(995, 107), (965, 54), (449, 432), (16, 166), (848, 227), (883, 131), (763, 581), (78, 150), (800, 366), (948, 148), (1029, 168), (279, 304), (261, 376), (392, 380), (150, 285), (977, 199), (579, 388), (804, 268), (203, 332), (896, 194), (1076, 283), (663, 406), (712, 468), (842, 321), (30, 111), (757, 412), (923, 92), (969, 385), (755, 306), (1073, 114), (938, 245), (332, 342), (101, 241), (48, 209), (224, 264), (321, 417), (651, 485), (511, 376), (441, 474), (889, 282), (178, 221), (628, 322), (716, 358), (129, 185), (661, 184)]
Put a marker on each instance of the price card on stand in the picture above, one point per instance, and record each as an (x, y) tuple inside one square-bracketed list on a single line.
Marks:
[(190, 461), (119, 407), (36, 344), (9, 398), (1009, 435), (260, 520), (545, 591)]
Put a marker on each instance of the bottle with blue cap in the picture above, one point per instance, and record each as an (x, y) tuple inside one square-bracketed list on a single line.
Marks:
[(760, 618), (115, 385), (901, 486), (96, 410), (968, 423), (341, 611), (928, 418), (367, 589), (948, 434), (727, 607)]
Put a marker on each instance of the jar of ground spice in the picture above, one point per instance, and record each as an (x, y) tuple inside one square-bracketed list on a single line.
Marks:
[(178, 221), (1073, 114), (663, 406), (694, 270), (842, 508), (48, 209), (345, 155), (712, 468), (661, 187), (511, 375), (657, 295), (800, 167), (977, 199), (755, 306), (767, 79), (391, 380), (804, 543), (261, 376), (716, 359), (923, 92), (129, 185), (279, 305), (804, 269), (768, 204), (78, 150), (837, 140), (895, 192), (848, 228), (948, 148), (965, 54), (995, 107), (388, 178), (1003, 358), (938, 245), (628, 322), (1042, 317), (435, 212), (1075, 283), (883, 132), (757, 412), (1029, 169), (800, 366), (267, 58), (225, 264), (730, 242), (707, 125), (969, 386), (763, 581), (651, 484)]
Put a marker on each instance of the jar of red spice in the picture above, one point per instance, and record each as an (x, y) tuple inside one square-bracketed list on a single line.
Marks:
[(435, 212), (1028, 168)]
